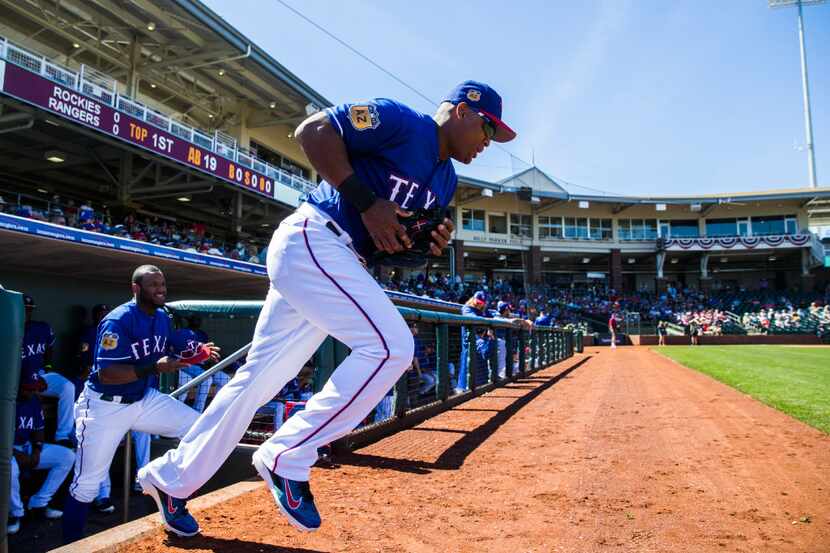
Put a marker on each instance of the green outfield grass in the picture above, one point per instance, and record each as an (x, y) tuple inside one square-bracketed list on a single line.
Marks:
[(792, 379)]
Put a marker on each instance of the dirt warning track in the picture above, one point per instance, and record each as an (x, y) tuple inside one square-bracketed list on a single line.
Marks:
[(608, 451)]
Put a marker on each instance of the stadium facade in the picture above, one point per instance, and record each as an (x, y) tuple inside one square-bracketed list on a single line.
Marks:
[(162, 108)]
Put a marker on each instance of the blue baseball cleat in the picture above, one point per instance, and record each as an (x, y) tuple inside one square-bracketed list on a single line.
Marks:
[(174, 514), (293, 497)]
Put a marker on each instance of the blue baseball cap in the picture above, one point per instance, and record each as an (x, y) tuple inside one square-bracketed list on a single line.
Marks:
[(486, 101), (480, 296), (502, 305)]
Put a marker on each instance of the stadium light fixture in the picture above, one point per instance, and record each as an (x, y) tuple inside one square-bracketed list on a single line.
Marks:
[(221, 72), (660, 207), (695, 208), (535, 200), (272, 105), (586, 260), (151, 26), (502, 257), (55, 156), (584, 204), (724, 259), (75, 45), (184, 198), (545, 259), (631, 260), (486, 192), (772, 258), (674, 261), (466, 254), (42, 190), (805, 85), (156, 58), (152, 85)]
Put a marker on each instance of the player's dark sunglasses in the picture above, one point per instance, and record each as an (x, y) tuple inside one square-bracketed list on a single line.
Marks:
[(489, 126)]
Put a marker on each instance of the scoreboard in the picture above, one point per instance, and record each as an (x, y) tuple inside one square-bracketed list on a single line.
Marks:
[(70, 104)]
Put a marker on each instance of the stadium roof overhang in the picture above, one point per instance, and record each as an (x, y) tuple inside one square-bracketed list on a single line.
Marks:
[(185, 55), (55, 257), (94, 166), (543, 190)]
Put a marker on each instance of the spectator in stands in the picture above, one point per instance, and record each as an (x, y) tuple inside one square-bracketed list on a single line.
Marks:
[(30, 452), (36, 357)]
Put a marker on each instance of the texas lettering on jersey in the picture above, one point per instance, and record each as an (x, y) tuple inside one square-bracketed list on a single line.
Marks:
[(31, 350), (146, 347), (404, 191), (26, 423)]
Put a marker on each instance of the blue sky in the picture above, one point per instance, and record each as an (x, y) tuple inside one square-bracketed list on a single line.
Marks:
[(625, 96)]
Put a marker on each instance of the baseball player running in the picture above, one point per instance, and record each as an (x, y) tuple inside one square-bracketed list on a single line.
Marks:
[(378, 160), (135, 342)]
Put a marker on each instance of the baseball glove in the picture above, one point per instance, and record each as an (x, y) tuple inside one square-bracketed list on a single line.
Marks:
[(195, 355), (419, 227)]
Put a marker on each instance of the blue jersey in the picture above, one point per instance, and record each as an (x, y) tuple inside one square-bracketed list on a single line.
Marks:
[(37, 338), (28, 419), (543, 320), (394, 150), (129, 336)]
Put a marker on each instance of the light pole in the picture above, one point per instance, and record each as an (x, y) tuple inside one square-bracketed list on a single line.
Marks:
[(808, 122)]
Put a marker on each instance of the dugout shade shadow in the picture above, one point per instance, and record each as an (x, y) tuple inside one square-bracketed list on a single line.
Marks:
[(454, 456), (226, 545)]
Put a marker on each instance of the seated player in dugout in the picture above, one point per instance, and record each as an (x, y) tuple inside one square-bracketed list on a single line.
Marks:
[(30, 452), (36, 356)]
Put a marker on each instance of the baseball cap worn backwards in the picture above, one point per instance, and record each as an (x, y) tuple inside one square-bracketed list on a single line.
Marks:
[(486, 101)]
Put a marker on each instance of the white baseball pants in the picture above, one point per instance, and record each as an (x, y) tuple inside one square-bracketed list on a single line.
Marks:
[(58, 460), (318, 287), (58, 386), (141, 447), (100, 425)]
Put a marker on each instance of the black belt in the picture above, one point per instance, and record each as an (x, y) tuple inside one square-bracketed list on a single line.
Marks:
[(332, 227), (119, 399)]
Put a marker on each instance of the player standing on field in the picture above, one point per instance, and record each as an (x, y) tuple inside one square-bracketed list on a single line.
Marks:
[(378, 158), (135, 342)]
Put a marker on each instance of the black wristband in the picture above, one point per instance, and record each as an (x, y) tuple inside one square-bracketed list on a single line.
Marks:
[(142, 371), (360, 196)]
